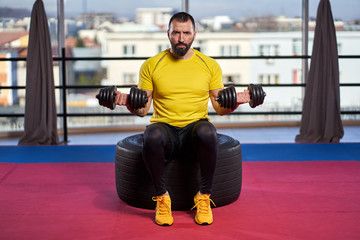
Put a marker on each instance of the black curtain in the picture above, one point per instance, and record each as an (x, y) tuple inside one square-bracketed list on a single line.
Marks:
[(321, 118), (40, 109)]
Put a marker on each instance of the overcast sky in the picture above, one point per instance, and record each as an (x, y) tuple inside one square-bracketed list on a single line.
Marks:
[(342, 9)]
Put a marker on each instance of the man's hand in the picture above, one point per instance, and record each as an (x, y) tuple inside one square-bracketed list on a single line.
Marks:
[(243, 97), (121, 99)]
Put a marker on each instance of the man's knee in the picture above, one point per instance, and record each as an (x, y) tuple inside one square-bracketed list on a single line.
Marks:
[(206, 132), (154, 134)]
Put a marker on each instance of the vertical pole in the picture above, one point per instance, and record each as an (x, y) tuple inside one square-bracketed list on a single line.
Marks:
[(65, 130), (61, 28), (305, 39), (62, 73), (185, 6)]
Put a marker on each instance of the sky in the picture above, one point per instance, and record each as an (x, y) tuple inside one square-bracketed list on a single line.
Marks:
[(237, 9)]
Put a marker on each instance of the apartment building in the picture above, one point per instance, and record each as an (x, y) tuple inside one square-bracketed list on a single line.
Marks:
[(239, 71)]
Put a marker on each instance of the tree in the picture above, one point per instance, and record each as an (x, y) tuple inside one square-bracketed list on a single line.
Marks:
[(79, 43)]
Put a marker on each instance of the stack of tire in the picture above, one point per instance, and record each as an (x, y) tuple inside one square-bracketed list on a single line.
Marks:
[(182, 176)]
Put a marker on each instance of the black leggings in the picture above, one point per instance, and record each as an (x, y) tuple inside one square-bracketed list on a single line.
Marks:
[(162, 140)]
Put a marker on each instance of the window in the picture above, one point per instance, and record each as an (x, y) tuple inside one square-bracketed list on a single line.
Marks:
[(228, 79), (130, 78), (162, 47), (297, 46), (269, 50), (129, 50), (269, 78), (230, 50)]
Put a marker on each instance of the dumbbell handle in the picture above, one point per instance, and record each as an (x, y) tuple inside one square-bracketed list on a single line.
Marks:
[(123, 98)]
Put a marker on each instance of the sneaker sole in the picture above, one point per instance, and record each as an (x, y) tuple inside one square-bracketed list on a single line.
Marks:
[(204, 223), (164, 224)]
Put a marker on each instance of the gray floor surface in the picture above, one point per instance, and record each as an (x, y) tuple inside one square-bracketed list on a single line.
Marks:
[(244, 135)]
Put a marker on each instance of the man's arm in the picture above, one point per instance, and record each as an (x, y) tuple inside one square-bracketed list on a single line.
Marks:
[(241, 98), (122, 99)]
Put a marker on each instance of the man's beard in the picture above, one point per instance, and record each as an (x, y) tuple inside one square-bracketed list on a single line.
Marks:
[(181, 51)]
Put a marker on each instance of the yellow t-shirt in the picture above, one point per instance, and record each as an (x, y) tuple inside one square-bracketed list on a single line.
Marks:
[(180, 87)]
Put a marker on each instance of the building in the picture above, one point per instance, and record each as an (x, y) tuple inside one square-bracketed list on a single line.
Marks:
[(12, 44), (148, 37), (240, 71), (153, 16), (93, 20)]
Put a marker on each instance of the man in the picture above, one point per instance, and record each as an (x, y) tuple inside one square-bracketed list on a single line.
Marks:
[(180, 81)]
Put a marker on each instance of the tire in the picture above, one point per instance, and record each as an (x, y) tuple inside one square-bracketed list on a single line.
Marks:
[(133, 183)]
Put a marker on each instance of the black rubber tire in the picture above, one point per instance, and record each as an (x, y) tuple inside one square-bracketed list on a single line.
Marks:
[(133, 183)]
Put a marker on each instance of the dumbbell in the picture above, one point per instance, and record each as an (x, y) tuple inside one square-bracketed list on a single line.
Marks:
[(227, 97), (137, 97)]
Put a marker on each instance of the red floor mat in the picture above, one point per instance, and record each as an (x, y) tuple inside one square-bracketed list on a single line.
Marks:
[(279, 200)]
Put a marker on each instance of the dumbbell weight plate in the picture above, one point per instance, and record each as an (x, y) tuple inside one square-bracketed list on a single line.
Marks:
[(250, 88), (260, 95), (98, 96), (112, 96), (144, 98), (233, 97), (106, 98), (263, 94), (137, 98), (226, 98), (256, 95), (109, 97), (131, 97), (252, 95)]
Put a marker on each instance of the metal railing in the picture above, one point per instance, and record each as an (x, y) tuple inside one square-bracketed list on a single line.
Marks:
[(64, 87)]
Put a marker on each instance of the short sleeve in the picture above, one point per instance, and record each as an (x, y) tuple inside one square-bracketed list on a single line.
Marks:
[(145, 79), (216, 79)]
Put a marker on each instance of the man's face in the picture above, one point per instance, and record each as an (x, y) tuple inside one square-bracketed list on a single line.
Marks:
[(181, 36)]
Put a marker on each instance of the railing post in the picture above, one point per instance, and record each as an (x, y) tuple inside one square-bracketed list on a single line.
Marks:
[(305, 39), (64, 88)]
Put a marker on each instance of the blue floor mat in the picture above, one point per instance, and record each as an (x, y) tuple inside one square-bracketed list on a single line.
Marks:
[(250, 152)]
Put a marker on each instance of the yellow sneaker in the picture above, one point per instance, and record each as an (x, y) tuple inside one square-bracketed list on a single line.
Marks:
[(204, 214), (163, 216)]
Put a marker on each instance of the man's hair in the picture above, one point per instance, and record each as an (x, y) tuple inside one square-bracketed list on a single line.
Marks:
[(182, 17)]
